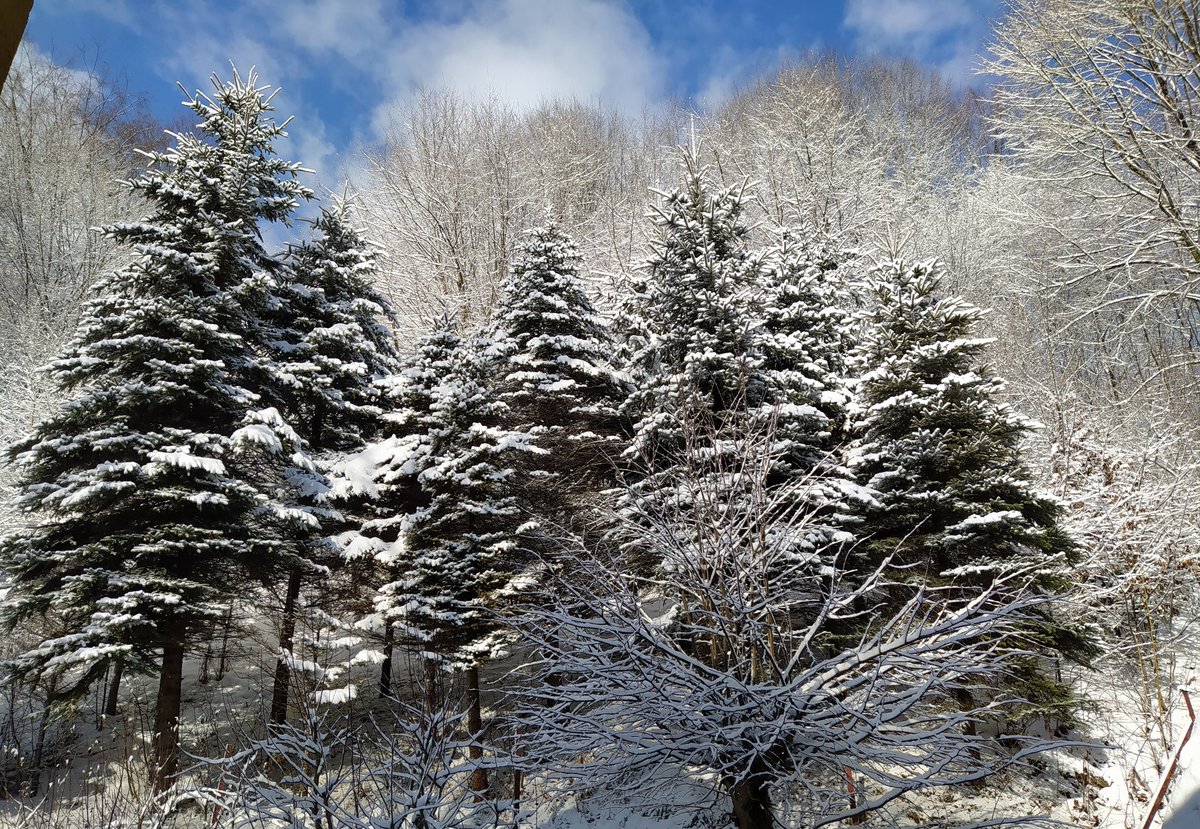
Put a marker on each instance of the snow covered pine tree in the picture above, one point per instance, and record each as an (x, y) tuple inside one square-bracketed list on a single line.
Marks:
[(333, 348), (805, 340), (461, 544), (954, 502), (550, 357), (691, 330), (140, 520)]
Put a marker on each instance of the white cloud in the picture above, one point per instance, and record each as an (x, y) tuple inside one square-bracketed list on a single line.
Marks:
[(353, 31), (944, 33), (33, 60), (523, 52), (519, 52)]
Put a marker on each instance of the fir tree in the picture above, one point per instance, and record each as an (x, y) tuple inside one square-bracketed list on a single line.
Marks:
[(140, 516), (942, 454), (338, 340), (550, 360), (461, 561), (333, 347), (383, 479), (457, 542), (936, 445), (805, 341), (692, 330)]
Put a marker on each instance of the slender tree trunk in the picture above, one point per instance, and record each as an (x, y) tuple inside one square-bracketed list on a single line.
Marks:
[(479, 776), (221, 661), (166, 715), (33, 780), (432, 703), (287, 640), (752, 804), (114, 690), (385, 670)]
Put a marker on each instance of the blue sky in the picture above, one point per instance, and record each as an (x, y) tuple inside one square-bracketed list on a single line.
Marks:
[(344, 65)]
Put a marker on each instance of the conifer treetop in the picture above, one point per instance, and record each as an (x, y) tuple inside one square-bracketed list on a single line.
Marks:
[(140, 511)]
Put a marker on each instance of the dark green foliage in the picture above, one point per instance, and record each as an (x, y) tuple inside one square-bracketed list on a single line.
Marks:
[(550, 360), (141, 510)]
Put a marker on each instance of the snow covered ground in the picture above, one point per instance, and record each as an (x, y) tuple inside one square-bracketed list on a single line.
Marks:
[(1182, 810), (1110, 786)]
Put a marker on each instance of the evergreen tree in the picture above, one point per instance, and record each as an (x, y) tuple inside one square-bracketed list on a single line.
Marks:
[(461, 560), (338, 340), (692, 343), (141, 519), (457, 542), (805, 342), (942, 454), (334, 345), (383, 479), (939, 449), (550, 360)]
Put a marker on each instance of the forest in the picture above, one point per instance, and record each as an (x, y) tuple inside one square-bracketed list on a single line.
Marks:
[(822, 457)]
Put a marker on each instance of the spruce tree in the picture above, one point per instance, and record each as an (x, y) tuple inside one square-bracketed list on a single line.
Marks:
[(936, 444), (382, 481), (461, 561), (334, 345), (953, 501), (805, 341), (692, 330), (550, 362), (140, 516)]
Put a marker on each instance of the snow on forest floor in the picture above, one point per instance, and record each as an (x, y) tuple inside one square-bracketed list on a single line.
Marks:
[(1109, 786)]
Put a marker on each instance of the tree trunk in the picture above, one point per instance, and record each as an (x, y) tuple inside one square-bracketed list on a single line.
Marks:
[(287, 640), (114, 690), (33, 781), (385, 670), (752, 804), (432, 702), (222, 660), (166, 716), (479, 776)]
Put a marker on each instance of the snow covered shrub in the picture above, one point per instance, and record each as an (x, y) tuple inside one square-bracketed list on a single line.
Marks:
[(401, 768), (721, 665), (1129, 502)]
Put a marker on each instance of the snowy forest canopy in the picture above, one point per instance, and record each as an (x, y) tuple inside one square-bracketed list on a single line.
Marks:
[(776, 464)]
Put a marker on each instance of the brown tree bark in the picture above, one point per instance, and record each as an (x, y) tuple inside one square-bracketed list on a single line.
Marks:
[(479, 776), (166, 715), (287, 640)]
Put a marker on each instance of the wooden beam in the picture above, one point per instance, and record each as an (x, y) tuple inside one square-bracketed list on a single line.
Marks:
[(14, 14)]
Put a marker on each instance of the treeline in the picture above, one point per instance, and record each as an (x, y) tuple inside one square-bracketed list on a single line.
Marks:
[(217, 395), (727, 477)]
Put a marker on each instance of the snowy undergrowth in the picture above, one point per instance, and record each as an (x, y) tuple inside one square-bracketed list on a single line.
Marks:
[(105, 784)]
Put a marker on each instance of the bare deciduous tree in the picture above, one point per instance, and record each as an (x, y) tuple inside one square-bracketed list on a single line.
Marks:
[(729, 665), (1098, 102)]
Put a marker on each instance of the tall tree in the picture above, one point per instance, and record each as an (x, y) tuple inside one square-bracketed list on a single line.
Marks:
[(382, 480), (953, 500), (140, 516), (460, 563), (551, 363), (691, 328), (334, 346), (1096, 107), (936, 445), (805, 340)]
